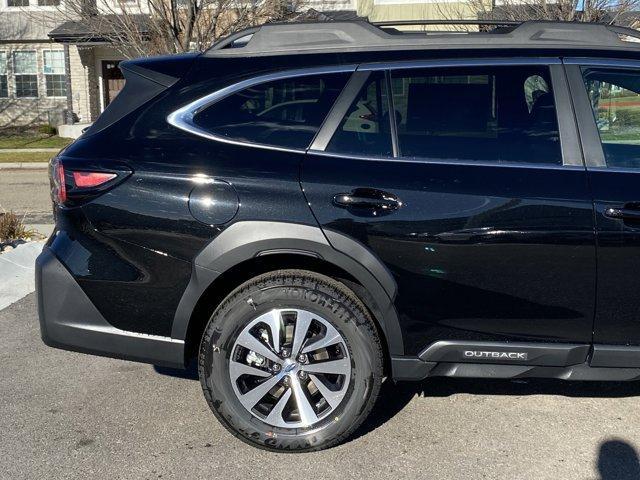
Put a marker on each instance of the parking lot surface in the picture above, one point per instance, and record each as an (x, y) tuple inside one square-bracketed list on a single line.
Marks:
[(67, 415)]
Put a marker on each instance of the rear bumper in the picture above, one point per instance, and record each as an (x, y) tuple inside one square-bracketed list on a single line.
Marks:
[(68, 320)]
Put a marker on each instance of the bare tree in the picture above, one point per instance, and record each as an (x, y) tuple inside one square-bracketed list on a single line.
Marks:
[(615, 12), (154, 27)]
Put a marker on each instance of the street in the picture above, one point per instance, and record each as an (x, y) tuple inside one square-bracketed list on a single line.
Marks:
[(67, 415), (26, 192)]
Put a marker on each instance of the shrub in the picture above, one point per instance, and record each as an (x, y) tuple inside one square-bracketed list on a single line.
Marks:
[(47, 129), (628, 117), (12, 228)]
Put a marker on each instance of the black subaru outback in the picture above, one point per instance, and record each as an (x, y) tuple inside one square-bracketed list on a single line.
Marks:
[(307, 209)]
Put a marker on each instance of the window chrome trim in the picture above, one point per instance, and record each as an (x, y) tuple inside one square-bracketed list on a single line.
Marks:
[(602, 62), (607, 169), (591, 144), (183, 117), (461, 62), (339, 109), (448, 161)]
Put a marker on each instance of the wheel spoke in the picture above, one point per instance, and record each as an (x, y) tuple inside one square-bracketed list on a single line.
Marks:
[(341, 367), (253, 396), (275, 415), (330, 337), (237, 369), (305, 410), (303, 320), (250, 342), (332, 398), (274, 320)]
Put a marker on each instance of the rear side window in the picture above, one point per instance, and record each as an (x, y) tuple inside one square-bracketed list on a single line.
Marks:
[(615, 100), (501, 114), (365, 129), (283, 113)]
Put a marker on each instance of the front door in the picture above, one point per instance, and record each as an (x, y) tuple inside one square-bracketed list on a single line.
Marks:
[(607, 99), (112, 80), (467, 195)]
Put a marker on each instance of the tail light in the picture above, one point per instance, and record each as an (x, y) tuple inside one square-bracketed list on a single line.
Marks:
[(92, 179), (58, 185), (74, 182)]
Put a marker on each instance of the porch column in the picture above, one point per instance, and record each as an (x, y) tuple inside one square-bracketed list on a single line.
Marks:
[(68, 120)]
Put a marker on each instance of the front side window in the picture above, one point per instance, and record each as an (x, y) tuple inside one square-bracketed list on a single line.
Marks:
[(26, 74), (54, 73), (615, 100), (492, 113), (283, 113), (365, 129), (4, 85)]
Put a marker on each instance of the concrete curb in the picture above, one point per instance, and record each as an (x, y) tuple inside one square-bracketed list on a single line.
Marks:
[(24, 165), (30, 150)]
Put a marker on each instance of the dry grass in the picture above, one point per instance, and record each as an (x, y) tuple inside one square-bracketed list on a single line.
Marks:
[(43, 141), (12, 228), (22, 157)]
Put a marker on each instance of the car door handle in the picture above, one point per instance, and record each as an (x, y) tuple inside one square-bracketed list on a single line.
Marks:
[(368, 198), (622, 213)]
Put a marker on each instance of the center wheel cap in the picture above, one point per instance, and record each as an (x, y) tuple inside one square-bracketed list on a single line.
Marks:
[(290, 366)]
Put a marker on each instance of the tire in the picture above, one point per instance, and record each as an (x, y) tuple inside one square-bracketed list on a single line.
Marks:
[(278, 422)]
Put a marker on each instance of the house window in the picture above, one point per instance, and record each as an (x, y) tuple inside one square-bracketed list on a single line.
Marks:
[(4, 87), (26, 74), (54, 73), (48, 3), (17, 3)]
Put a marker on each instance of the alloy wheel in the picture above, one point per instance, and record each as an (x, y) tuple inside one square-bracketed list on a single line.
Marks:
[(290, 368)]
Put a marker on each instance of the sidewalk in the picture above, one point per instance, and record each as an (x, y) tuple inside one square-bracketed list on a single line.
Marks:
[(17, 272), (29, 150), (24, 165)]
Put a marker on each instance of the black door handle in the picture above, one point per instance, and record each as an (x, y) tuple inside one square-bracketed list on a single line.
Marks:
[(622, 213), (368, 198)]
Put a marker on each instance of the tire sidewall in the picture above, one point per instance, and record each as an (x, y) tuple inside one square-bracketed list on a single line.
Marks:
[(233, 316)]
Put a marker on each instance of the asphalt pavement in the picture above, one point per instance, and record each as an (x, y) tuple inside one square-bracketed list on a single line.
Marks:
[(26, 192), (68, 415)]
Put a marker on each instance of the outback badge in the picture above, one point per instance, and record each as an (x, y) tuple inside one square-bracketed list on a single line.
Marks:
[(496, 355)]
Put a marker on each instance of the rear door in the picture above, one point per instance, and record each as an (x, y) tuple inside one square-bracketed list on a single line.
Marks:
[(467, 194), (607, 100)]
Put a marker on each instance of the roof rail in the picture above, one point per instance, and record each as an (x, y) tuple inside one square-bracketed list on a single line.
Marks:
[(231, 41), (360, 35), (402, 23)]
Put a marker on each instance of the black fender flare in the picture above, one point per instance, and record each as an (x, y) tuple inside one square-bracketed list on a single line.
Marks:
[(245, 240)]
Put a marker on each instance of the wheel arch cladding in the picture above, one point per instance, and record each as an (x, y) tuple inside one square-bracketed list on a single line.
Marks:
[(248, 248)]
